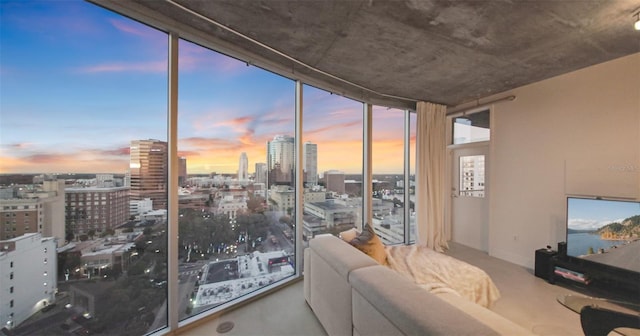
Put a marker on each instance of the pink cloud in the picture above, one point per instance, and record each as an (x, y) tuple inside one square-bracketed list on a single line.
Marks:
[(28, 157), (122, 151), (188, 154), (237, 124), (347, 112), (333, 127), (205, 144)]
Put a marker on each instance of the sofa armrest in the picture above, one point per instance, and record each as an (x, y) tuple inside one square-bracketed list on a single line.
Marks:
[(306, 275), (328, 263), (488, 317)]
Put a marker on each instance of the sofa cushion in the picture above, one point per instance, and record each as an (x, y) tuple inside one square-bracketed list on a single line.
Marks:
[(411, 309)]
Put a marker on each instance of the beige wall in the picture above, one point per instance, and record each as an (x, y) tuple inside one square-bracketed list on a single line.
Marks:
[(578, 133)]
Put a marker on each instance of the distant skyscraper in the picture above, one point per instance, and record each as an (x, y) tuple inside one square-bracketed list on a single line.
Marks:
[(280, 159), (243, 167), (310, 163), (182, 170), (261, 173), (334, 181), (148, 165)]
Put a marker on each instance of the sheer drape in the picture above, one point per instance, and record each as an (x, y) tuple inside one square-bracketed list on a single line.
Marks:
[(430, 174)]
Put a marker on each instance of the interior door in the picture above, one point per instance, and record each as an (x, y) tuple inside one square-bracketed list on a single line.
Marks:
[(470, 196)]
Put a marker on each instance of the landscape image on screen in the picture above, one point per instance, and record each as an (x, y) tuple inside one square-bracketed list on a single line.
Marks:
[(604, 231)]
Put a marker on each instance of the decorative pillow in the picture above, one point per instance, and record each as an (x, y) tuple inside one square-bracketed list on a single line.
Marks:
[(348, 235), (369, 243)]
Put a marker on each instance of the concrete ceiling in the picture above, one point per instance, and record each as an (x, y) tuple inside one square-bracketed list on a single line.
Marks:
[(399, 52)]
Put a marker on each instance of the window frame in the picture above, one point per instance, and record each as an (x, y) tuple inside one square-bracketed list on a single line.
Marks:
[(173, 322)]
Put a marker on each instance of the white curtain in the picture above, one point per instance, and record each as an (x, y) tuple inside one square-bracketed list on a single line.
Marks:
[(430, 173)]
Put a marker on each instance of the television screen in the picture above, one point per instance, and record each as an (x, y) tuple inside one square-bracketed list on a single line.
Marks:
[(604, 231)]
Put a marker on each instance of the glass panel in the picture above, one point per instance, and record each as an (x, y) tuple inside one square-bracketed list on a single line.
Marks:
[(237, 194), (472, 176), (80, 85), (472, 128), (388, 174), (332, 130), (413, 119)]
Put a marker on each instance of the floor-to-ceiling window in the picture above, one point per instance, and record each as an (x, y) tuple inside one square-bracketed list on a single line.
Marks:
[(236, 143), (413, 119), (85, 162), (332, 135), (84, 171), (390, 134)]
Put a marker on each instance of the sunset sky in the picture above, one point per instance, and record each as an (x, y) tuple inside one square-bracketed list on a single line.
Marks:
[(79, 83)]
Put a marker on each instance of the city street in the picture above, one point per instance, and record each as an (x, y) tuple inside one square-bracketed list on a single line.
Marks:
[(187, 278)]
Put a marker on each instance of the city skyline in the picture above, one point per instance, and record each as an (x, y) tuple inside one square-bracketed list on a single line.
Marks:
[(69, 106)]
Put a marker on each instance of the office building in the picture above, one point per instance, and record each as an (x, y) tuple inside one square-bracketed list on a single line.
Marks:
[(28, 270), (261, 173), (148, 169), (280, 159), (182, 170), (39, 209), (139, 207), (310, 163), (243, 167), (334, 181), (96, 210)]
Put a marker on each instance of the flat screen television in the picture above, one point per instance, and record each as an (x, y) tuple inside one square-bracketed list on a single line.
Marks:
[(604, 231)]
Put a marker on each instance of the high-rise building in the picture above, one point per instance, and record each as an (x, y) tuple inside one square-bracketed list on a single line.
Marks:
[(310, 163), (334, 181), (261, 173), (29, 268), (280, 159), (149, 173), (182, 170), (97, 209), (243, 167)]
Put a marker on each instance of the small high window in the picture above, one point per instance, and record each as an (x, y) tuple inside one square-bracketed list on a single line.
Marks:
[(470, 128)]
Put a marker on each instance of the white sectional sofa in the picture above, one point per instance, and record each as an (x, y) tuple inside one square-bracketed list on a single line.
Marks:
[(351, 294)]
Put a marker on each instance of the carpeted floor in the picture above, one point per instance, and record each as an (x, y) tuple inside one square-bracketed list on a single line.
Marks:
[(525, 299)]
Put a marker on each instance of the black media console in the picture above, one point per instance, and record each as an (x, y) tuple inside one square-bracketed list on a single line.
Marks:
[(586, 277)]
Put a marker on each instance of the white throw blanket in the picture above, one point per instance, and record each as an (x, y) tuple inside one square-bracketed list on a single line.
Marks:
[(440, 273)]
